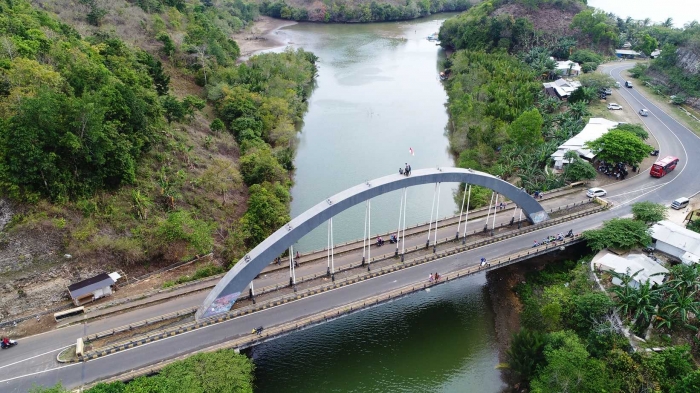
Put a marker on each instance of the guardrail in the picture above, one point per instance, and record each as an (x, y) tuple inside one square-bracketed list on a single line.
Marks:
[(135, 325)]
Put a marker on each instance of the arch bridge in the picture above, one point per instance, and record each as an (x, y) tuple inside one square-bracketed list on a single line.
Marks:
[(229, 288)]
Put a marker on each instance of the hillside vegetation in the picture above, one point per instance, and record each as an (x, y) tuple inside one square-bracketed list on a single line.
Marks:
[(677, 71), (359, 10), (124, 157)]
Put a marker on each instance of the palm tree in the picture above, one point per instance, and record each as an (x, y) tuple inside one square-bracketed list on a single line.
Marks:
[(668, 22), (646, 22), (680, 305), (684, 278), (579, 109), (526, 352)]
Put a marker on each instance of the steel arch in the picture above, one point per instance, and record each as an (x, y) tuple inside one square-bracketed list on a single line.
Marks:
[(227, 290)]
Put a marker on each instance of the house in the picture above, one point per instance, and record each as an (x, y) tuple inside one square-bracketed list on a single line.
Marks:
[(655, 54), (649, 270), (93, 288), (561, 88), (627, 53), (567, 68), (595, 128), (676, 241)]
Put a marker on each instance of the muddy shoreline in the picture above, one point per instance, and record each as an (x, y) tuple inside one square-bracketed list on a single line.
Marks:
[(261, 35)]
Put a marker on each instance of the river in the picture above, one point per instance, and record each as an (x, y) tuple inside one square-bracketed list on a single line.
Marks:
[(378, 95)]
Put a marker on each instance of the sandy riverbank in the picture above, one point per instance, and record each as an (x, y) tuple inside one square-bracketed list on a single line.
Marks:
[(261, 35)]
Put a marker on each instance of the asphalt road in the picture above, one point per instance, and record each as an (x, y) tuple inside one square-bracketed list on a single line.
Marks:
[(33, 361)]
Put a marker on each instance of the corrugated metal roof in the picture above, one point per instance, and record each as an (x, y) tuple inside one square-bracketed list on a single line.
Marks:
[(677, 236), (91, 284), (632, 264)]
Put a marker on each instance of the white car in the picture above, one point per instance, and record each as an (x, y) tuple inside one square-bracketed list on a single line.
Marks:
[(596, 192), (643, 112), (614, 107)]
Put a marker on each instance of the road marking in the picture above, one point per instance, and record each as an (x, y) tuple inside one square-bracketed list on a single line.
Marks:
[(638, 190), (685, 163), (35, 356)]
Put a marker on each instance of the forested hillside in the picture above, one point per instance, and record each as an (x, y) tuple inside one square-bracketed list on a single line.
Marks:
[(677, 71), (131, 158), (359, 10)]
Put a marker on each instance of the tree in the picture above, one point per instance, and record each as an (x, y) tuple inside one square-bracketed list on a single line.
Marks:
[(579, 169), (596, 80), (527, 128), (217, 125), (174, 110), (181, 226), (689, 383), (620, 146), (649, 211), (618, 233), (221, 177), (694, 225), (647, 44), (259, 165), (267, 212), (525, 353), (570, 368), (636, 129)]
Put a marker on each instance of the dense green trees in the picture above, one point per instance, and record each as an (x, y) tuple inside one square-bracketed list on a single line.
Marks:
[(619, 233), (585, 350), (344, 11), (649, 211), (79, 124), (619, 145)]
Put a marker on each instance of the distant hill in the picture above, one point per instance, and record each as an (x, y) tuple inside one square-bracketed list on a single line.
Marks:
[(520, 25)]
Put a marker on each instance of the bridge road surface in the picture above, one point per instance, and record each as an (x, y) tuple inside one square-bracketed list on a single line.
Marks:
[(684, 181), (40, 350)]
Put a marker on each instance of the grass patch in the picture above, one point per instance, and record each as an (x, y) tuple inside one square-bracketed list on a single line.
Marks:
[(202, 272)]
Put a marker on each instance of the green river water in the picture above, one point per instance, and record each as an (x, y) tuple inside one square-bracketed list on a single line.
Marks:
[(378, 94)]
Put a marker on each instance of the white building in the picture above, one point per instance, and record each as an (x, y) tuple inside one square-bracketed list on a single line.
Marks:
[(649, 270), (595, 128), (561, 88), (567, 68), (93, 288), (676, 241)]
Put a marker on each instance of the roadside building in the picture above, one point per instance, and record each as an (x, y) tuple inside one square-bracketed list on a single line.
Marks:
[(627, 53), (595, 128), (561, 88), (93, 288), (676, 241), (567, 68), (648, 269)]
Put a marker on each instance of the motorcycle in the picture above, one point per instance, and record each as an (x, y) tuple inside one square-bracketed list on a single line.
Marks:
[(570, 234), (10, 344)]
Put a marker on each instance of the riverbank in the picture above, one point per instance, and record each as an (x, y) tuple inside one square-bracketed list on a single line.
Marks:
[(261, 35), (506, 304)]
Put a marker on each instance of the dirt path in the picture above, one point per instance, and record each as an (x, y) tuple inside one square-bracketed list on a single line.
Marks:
[(260, 36)]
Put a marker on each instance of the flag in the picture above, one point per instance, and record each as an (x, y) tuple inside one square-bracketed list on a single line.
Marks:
[(410, 151)]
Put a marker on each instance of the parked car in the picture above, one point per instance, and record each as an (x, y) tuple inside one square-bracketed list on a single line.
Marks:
[(680, 203), (596, 192), (643, 112), (628, 84), (617, 84), (607, 91), (614, 107)]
